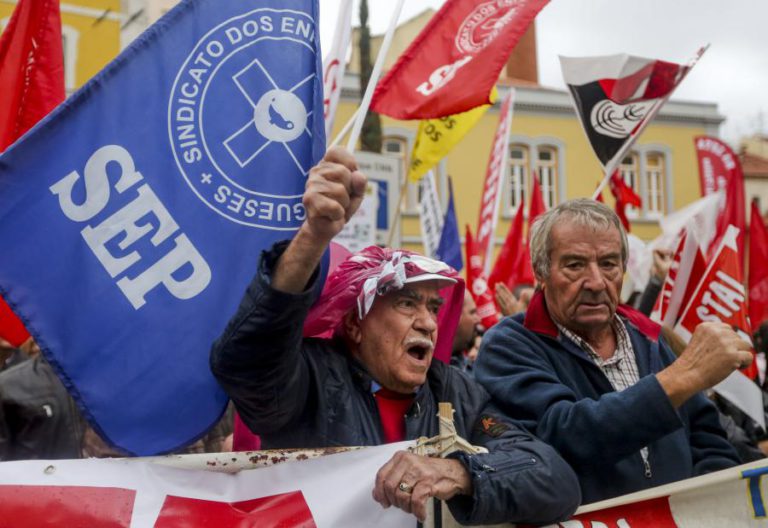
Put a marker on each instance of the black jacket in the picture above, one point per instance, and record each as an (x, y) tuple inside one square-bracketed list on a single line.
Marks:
[(38, 419), (309, 393)]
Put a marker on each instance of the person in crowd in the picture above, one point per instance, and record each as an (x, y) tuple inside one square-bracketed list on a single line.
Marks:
[(38, 418), (662, 261), (466, 332), (375, 381), (594, 379)]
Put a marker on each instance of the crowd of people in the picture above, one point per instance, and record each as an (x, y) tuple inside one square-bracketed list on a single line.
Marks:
[(574, 396)]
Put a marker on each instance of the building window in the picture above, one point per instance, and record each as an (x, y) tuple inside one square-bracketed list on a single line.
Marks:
[(630, 173), (523, 158), (546, 168), (518, 171), (646, 172), (654, 171)]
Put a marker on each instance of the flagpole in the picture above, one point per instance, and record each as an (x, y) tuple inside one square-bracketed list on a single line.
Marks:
[(344, 130), (396, 220), (613, 164), (375, 74)]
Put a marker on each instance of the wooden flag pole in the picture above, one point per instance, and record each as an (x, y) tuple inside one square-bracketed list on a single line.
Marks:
[(375, 74)]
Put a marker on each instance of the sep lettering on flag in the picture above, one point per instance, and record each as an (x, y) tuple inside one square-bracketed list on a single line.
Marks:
[(720, 297), (437, 137), (152, 198), (460, 52)]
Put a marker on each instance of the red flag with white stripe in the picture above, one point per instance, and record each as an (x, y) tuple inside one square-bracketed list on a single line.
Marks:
[(494, 177), (453, 64), (478, 285), (688, 263), (720, 297)]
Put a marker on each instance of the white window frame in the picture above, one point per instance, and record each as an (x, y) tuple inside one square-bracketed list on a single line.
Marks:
[(643, 189), (533, 144), (70, 43)]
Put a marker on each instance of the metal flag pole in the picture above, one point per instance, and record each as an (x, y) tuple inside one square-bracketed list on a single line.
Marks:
[(375, 74)]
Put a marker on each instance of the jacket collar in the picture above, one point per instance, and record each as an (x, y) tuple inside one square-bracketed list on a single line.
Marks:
[(537, 319)]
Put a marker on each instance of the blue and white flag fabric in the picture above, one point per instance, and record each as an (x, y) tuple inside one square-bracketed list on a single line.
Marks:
[(449, 248), (132, 217)]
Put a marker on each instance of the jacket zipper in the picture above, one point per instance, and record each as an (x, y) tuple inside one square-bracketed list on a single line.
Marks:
[(647, 466)]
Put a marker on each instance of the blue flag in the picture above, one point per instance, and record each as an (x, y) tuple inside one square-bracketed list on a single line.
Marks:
[(132, 217), (449, 248)]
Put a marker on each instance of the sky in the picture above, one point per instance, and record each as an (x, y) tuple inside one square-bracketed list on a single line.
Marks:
[(733, 73)]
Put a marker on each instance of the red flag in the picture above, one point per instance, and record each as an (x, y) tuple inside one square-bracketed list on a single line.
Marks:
[(625, 196), (505, 268), (537, 206), (477, 284), (31, 84), (758, 268), (720, 296), (688, 264), (489, 202), (453, 64), (31, 67), (720, 170)]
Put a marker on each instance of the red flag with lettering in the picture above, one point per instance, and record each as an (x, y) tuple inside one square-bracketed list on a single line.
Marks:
[(453, 64), (758, 268), (720, 297), (720, 170), (537, 206), (625, 196), (477, 284), (31, 84)]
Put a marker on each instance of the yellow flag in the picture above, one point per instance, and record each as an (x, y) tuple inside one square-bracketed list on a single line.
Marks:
[(436, 138)]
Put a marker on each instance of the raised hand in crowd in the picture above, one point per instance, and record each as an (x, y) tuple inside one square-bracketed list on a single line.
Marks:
[(713, 353), (334, 191)]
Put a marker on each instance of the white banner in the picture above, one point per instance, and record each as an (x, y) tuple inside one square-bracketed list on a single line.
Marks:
[(730, 498), (331, 491), (430, 214), (334, 64)]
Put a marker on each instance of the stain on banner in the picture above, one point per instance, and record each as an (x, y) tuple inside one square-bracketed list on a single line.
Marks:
[(138, 209)]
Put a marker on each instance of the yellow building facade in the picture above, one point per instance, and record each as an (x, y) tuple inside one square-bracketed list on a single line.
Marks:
[(90, 36), (546, 136)]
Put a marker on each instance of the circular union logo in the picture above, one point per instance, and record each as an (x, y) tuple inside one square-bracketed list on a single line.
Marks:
[(482, 25), (240, 117)]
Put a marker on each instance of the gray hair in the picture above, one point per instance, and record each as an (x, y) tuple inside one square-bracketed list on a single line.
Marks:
[(581, 211)]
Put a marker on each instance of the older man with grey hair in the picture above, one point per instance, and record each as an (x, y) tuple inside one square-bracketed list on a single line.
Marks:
[(595, 379)]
